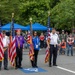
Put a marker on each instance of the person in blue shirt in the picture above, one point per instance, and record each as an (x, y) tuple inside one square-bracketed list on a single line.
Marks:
[(36, 44)]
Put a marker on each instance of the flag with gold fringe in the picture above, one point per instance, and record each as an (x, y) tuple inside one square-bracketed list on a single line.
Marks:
[(47, 49), (47, 55), (48, 39), (31, 48)]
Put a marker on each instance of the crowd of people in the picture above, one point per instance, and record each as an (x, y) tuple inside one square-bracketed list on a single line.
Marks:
[(66, 41), (63, 43)]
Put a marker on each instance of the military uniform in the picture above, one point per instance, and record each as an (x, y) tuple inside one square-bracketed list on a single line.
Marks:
[(19, 50), (53, 48), (5, 45), (36, 44)]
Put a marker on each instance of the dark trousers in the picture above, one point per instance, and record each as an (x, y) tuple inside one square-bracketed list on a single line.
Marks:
[(34, 63), (5, 59), (70, 50), (41, 44), (53, 52), (62, 50), (18, 57)]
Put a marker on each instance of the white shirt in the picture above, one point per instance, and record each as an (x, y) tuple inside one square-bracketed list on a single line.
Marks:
[(54, 39), (5, 41), (70, 39)]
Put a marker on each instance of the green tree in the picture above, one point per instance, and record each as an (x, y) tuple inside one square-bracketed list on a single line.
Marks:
[(24, 9), (6, 8), (63, 16), (62, 12), (36, 10)]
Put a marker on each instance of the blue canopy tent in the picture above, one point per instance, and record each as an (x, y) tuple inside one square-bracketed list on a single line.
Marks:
[(16, 26), (37, 26)]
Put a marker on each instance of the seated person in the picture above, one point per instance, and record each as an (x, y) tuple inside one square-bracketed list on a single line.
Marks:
[(62, 46)]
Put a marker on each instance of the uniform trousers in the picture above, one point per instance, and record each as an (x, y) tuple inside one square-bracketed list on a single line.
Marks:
[(18, 57), (34, 63), (5, 60), (53, 52)]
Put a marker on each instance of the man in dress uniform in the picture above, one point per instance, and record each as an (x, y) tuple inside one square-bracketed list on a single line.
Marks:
[(5, 45), (53, 47), (19, 48)]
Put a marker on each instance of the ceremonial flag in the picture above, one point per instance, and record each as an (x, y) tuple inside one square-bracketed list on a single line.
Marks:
[(12, 46), (31, 48), (29, 39), (48, 39), (47, 55), (1, 46)]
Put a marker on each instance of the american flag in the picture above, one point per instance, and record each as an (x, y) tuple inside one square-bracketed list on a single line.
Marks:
[(12, 46), (47, 55), (31, 48), (48, 39), (1, 46), (29, 38)]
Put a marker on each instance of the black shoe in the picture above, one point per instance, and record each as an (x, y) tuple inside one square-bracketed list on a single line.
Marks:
[(21, 67), (33, 66), (50, 65), (36, 66), (6, 69), (55, 65)]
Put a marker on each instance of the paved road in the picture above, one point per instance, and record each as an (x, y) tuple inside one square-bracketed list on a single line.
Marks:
[(66, 65)]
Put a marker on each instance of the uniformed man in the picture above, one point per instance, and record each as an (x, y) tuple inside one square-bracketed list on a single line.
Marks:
[(53, 47), (36, 44), (19, 48), (5, 45)]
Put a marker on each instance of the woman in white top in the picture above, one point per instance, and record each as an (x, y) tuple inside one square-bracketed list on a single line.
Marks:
[(70, 41)]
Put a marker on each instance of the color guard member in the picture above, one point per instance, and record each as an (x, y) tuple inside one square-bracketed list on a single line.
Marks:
[(53, 47), (19, 48), (36, 44), (5, 45)]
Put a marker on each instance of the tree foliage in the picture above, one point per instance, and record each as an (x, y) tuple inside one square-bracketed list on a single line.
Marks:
[(24, 9), (63, 16), (62, 12)]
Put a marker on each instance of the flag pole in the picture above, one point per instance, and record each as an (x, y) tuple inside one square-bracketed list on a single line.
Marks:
[(12, 44), (31, 31), (11, 22), (48, 25), (31, 51), (48, 40)]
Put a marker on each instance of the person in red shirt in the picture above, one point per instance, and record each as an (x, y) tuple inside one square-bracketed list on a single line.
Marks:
[(42, 40)]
